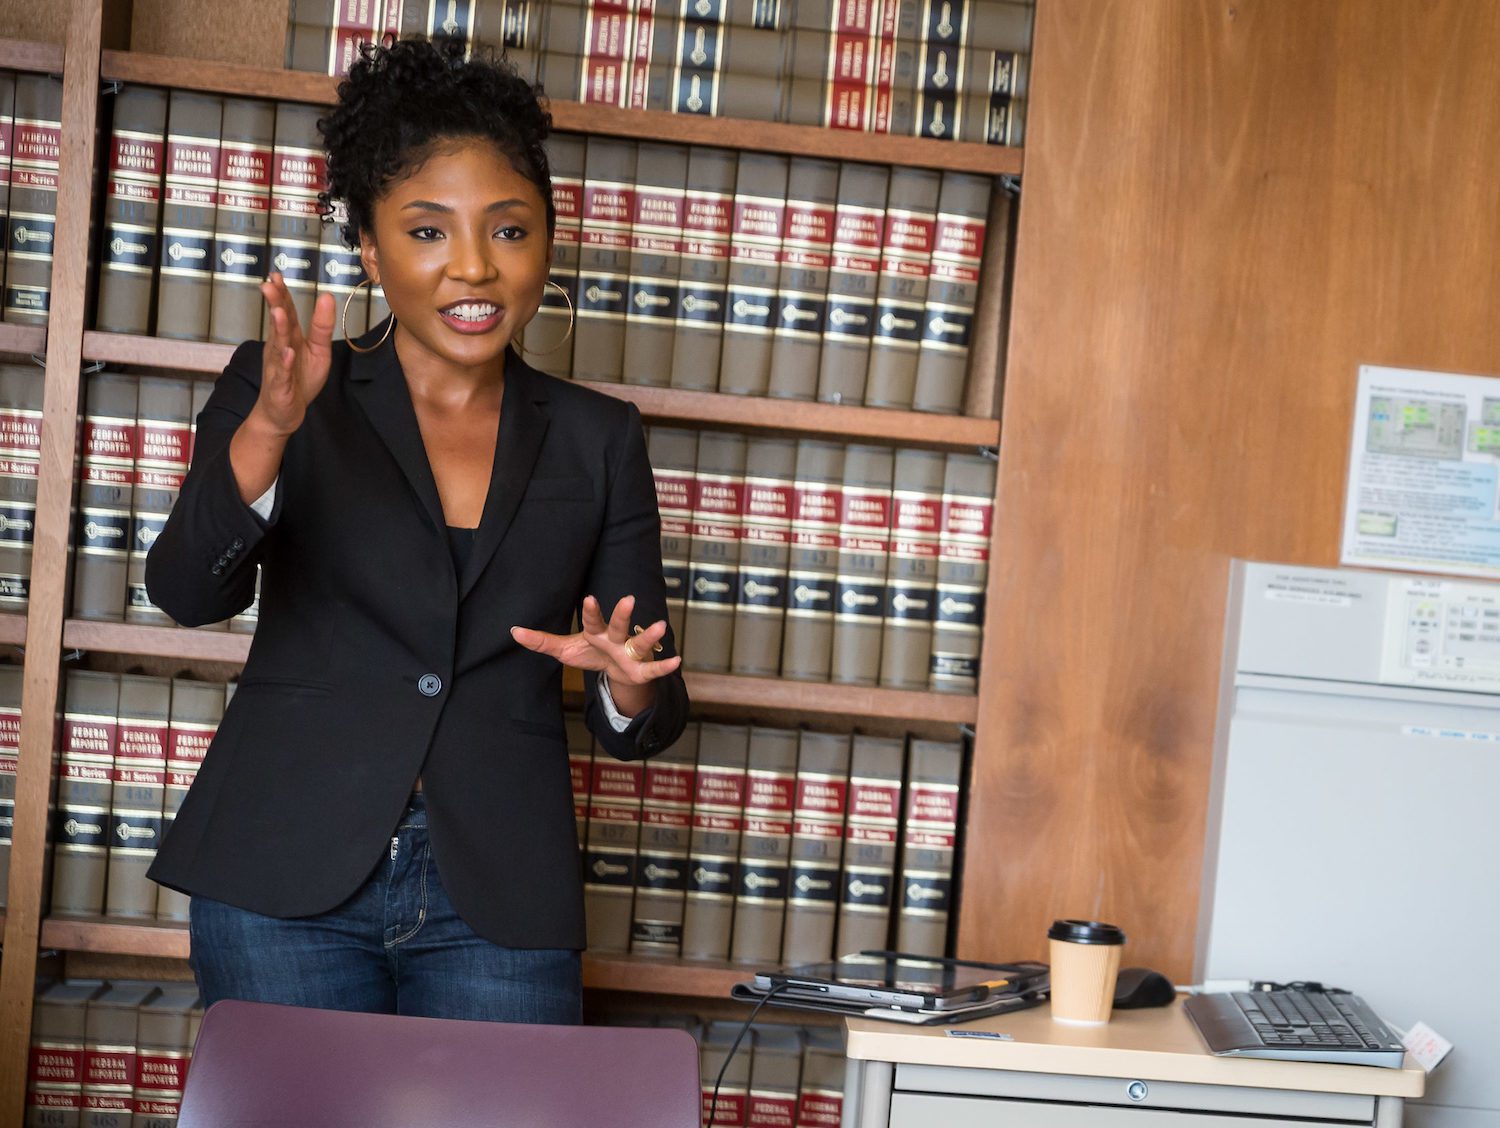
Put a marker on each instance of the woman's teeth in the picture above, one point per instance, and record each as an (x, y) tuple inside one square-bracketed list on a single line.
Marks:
[(471, 311)]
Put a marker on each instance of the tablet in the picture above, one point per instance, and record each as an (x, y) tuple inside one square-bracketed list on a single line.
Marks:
[(909, 982)]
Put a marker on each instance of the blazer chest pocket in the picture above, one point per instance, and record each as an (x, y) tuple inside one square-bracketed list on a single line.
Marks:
[(560, 489)]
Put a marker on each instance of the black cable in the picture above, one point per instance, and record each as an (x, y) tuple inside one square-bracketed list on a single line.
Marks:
[(713, 1106)]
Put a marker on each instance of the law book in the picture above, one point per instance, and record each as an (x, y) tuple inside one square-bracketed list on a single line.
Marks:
[(242, 219), (197, 707), (580, 772), (609, 863), (604, 258), (867, 882), (952, 291), (674, 460), (802, 284), (109, 1054), (7, 140), (666, 832), (820, 1096), (31, 222), (547, 343), (706, 81), (80, 835), (164, 413), (650, 76), (21, 389), (714, 554), (190, 186), (325, 35), (54, 1080), (911, 576), (299, 169), (775, 1073), (714, 849), (139, 783), (10, 750), (901, 292), (817, 845), (812, 562), (164, 1047), (130, 247), (963, 572), (706, 225), (864, 551), (898, 68), (994, 107), (928, 836), (765, 546), (340, 273), (754, 271), (655, 261), (855, 28), (105, 492), (729, 1107), (765, 845), (858, 234)]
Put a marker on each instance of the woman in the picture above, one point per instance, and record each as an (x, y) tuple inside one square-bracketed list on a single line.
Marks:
[(384, 821)]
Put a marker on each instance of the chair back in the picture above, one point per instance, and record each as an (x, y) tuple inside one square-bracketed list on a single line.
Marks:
[(268, 1065)]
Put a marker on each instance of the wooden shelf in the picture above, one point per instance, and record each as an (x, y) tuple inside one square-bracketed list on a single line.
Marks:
[(876, 424), (575, 117), (826, 698), (24, 55), (162, 642), (705, 689), (23, 340), (12, 628), (603, 972)]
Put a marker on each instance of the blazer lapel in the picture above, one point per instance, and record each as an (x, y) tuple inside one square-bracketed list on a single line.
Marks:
[(378, 385), (523, 425)]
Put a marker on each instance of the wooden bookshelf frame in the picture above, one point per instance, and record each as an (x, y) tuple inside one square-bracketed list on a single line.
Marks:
[(576, 117), (45, 632), (801, 417)]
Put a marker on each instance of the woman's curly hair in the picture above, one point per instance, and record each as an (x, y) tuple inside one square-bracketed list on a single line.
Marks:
[(403, 98)]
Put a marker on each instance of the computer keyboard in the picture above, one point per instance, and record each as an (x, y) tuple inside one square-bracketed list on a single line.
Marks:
[(1292, 1024)]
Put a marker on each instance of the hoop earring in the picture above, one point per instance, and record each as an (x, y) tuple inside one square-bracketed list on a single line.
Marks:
[(572, 317), (344, 324)]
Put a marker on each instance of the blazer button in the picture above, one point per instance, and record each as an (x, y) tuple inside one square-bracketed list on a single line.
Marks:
[(430, 685)]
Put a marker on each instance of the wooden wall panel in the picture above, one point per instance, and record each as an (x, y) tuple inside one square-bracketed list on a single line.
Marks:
[(251, 32), (1228, 207)]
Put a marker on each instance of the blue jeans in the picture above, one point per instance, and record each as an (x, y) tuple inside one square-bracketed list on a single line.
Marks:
[(397, 946)]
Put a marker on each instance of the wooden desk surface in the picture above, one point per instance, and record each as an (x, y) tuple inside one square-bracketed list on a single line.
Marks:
[(1156, 1044)]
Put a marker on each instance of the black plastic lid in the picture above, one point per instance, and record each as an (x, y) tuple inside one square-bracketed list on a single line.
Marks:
[(1085, 932)]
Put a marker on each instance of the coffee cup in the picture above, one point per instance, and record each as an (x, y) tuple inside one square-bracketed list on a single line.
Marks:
[(1085, 956)]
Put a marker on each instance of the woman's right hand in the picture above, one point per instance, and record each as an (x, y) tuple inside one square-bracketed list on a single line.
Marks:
[(294, 364)]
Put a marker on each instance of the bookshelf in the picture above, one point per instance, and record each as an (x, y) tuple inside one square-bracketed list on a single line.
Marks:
[(67, 344)]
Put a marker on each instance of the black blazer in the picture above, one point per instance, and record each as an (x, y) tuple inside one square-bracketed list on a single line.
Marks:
[(373, 662)]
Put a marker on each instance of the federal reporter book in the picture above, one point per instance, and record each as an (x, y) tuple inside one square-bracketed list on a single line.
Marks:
[(901, 291), (31, 222), (655, 261), (707, 222), (929, 836), (754, 271), (21, 388), (859, 233), (661, 875), (197, 707), (962, 573), (609, 864), (765, 845), (802, 282), (911, 574), (817, 841), (673, 452), (812, 564), (864, 550), (164, 414), (604, 259), (90, 736), (714, 554), (952, 293), (714, 848), (765, 545), (110, 1050), (184, 291), (130, 251), (871, 842), (139, 778), (106, 490)]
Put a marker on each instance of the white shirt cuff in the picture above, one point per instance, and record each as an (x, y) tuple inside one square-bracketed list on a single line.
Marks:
[(617, 720), (263, 505)]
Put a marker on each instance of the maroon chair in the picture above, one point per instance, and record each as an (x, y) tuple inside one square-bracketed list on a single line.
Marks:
[(268, 1065)]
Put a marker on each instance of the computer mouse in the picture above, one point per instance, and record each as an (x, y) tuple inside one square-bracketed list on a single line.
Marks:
[(1141, 987)]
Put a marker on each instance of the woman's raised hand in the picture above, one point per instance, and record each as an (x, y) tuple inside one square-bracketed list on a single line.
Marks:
[(608, 646), (294, 364)]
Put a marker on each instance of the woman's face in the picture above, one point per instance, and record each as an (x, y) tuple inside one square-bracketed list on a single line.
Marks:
[(461, 248)]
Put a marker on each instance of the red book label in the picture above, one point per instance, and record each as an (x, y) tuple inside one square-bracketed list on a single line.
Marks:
[(967, 517), (772, 1110), (616, 780), (720, 787), (56, 1065), (669, 783), (137, 155), (932, 805), (874, 799), (193, 159), (958, 236), (823, 796)]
